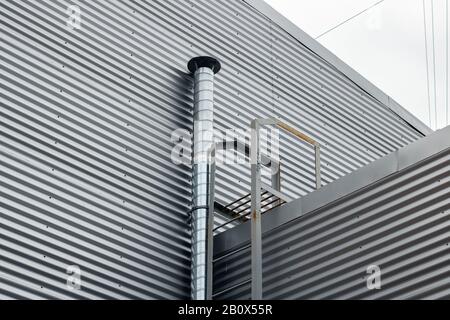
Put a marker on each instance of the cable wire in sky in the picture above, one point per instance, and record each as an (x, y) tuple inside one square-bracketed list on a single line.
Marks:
[(347, 20), (426, 61)]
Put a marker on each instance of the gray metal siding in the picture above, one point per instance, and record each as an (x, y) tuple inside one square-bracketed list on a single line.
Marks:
[(401, 224), (86, 177), (85, 123)]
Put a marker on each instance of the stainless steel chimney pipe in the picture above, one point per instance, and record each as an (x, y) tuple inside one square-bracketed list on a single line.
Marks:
[(203, 69)]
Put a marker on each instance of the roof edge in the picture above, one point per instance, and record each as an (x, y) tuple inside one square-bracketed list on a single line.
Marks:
[(340, 65), (392, 163)]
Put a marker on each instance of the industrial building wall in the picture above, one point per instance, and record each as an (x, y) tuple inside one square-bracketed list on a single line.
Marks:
[(86, 117), (321, 246)]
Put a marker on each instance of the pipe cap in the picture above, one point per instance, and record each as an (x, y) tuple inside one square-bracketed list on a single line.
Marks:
[(201, 62)]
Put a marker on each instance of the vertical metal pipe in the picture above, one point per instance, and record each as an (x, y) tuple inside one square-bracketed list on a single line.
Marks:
[(276, 180), (203, 69)]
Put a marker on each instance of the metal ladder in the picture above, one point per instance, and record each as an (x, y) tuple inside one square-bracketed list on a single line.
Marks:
[(260, 200)]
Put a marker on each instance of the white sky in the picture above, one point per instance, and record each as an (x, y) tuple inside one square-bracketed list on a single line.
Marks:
[(386, 45)]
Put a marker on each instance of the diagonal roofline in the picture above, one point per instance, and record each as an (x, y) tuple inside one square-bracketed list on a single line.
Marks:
[(325, 54)]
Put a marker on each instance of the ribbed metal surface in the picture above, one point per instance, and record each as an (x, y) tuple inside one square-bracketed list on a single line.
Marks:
[(401, 224), (86, 118), (86, 177)]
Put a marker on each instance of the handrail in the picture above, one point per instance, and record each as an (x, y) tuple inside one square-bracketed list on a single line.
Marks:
[(296, 133), (256, 232), (256, 186)]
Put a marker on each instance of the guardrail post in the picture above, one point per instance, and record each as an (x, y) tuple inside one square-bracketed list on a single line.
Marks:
[(256, 235), (317, 166)]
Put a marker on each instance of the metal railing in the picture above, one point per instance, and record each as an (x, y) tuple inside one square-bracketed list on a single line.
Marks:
[(258, 189)]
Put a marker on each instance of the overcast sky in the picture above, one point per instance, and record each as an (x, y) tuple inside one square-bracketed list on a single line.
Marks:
[(385, 44)]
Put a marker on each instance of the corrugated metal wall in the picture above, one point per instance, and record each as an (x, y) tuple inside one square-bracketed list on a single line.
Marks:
[(86, 177), (86, 117), (400, 223)]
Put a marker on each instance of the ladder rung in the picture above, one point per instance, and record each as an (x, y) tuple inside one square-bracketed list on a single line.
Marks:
[(240, 199), (246, 202), (262, 194)]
